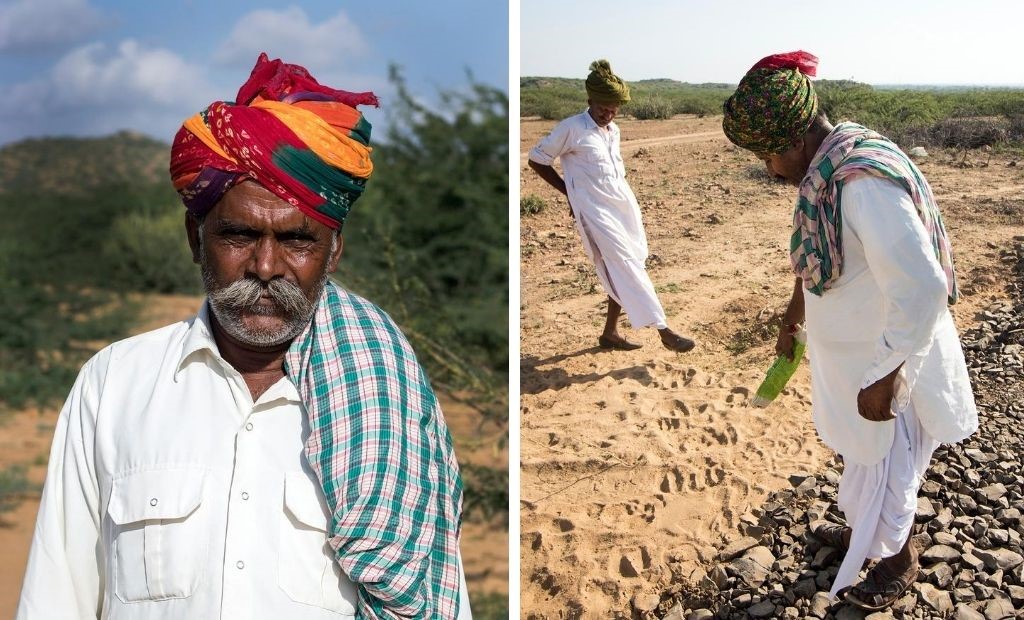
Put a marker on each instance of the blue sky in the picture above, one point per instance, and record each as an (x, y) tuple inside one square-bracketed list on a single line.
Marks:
[(92, 67), (873, 41)]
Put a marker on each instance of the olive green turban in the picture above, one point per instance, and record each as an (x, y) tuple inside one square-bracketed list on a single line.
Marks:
[(773, 105), (605, 87)]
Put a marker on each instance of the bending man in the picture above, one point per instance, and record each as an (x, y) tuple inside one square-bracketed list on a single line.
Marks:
[(875, 275)]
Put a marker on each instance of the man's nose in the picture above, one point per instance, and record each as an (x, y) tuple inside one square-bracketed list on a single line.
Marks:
[(266, 259)]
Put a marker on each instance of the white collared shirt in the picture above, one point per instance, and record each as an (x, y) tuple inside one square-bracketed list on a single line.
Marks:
[(170, 494)]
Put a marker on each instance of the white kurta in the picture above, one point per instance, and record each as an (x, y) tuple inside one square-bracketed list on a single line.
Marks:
[(888, 307), (606, 210), (171, 494)]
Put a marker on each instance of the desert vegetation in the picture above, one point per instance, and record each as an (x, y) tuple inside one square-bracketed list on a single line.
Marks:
[(945, 117)]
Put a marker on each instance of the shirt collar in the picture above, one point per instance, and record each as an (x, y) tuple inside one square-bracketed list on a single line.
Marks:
[(589, 120), (198, 338)]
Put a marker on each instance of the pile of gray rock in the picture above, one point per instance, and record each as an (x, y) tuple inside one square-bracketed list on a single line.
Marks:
[(969, 525)]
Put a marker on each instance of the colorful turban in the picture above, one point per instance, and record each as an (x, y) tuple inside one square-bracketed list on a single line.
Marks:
[(305, 142), (605, 87), (774, 103)]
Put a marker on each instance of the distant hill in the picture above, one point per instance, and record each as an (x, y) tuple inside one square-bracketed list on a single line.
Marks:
[(61, 197), (556, 98), (79, 165)]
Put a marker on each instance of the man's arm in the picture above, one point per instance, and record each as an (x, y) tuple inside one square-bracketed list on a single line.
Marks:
[(913, 285), (63, 576), (549, 174), (542, 157), (794, 316)]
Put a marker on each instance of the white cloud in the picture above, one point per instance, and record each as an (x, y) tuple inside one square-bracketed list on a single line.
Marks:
[(131, 75), (27, 25), (289, 35), (94, 90)]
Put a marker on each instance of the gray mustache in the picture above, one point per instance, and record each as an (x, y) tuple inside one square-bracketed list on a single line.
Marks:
[(245, 293)]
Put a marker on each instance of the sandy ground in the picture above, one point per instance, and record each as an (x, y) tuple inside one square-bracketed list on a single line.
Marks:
[(635, 465), (25, 440)]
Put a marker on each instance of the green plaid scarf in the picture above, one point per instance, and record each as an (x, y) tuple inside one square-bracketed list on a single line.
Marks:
[(382, 453), (848, 152)]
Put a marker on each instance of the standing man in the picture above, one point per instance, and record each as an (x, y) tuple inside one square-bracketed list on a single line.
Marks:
[(606, 211), (280, 455), (875, 275)]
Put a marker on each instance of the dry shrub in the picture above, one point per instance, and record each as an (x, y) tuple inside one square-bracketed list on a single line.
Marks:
[(969, 133)]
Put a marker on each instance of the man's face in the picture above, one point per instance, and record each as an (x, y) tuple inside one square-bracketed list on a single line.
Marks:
[(602, 113), (264, 265), (789, 166)]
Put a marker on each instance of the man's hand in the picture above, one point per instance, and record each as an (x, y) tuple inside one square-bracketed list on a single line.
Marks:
[(786, 343), (874, 402)]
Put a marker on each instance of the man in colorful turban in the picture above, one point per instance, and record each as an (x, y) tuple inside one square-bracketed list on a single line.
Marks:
[(888, 376), (281, 454), (606, 211)]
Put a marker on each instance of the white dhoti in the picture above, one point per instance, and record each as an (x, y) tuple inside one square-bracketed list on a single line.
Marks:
[(879, 501), (623, 276), (606, 211)]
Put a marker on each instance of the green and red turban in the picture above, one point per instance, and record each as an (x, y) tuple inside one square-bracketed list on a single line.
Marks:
[(604, 87), (774, 104), (303, 141)]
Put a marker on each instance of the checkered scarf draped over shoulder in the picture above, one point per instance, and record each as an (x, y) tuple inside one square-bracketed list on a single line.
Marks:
[(851, 151), (381, 450)]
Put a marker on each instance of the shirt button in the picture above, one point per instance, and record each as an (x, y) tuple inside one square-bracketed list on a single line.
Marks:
[(245, 495), (240, 564), (248, 426), (154, 502)]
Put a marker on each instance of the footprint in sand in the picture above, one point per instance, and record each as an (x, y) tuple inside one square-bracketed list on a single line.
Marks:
[(564, 525), (673, 481), (667, 424), (714, 474), (536, 540), (738, 396)]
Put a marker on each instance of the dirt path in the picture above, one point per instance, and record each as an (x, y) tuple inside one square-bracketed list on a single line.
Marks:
[(635, 464)]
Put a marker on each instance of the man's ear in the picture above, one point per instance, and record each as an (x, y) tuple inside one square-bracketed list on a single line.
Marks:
[(332, 260), (192, 230)]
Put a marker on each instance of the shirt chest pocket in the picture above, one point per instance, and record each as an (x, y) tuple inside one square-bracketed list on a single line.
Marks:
[(307, 571), (598, 160), (159, 547)]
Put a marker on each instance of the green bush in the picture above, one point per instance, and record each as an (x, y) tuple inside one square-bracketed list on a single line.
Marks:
[(13, 487), (649, 108), (558, 98), (151, 254), (531, 205), (429, 239), (489, 606), (486, 491)]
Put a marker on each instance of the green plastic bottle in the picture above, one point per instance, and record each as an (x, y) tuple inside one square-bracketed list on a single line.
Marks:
[(780, 372)]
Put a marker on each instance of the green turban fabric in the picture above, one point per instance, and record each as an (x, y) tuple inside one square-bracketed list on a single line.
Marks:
[(605, 87), (773, 105)]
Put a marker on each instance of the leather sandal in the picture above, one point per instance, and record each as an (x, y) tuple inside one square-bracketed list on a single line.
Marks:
[(830, 534), (880, 589), (621, 344)]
